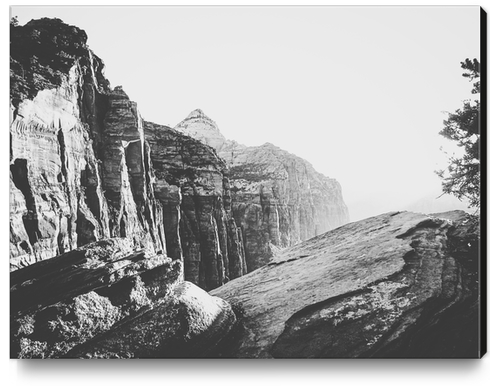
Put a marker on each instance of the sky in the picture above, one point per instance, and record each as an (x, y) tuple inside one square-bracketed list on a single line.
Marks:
[(359, 92)]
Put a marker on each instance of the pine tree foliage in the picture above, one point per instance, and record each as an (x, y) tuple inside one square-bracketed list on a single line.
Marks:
[(462, 176)]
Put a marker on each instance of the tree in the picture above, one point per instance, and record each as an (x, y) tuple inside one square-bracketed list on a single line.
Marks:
[(14, 21), (462, 176)]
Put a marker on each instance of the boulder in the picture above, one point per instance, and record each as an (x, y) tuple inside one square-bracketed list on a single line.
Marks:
[(397, 285), (188, 324), (105, 300)]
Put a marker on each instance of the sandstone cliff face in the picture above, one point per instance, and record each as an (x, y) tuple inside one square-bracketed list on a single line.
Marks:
[(78, 167), (51, 146), (104, 300), (396, 285), (192, 185), (83, 169), (278, 199)]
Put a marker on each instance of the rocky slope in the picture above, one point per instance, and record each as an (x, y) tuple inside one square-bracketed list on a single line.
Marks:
[(84, 166), (396, 285), (278, 199), (104, 300)]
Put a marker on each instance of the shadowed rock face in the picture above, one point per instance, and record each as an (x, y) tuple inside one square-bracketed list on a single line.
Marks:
[(278, 199), (192, 184), (395, 285), (105, 301)]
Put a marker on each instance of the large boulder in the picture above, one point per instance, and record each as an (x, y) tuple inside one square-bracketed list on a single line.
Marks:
[(397, 285), (106, 300)]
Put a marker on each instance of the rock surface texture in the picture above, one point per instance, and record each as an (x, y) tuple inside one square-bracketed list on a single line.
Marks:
[(278, 199), (396, 285), (105, 301)]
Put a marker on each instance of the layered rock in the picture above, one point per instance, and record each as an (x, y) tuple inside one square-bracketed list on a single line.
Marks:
[(126, 175), (105, 301), (81, 169), (60, 99), (396, 285), (51, 148), (278, 199), (191, 183)]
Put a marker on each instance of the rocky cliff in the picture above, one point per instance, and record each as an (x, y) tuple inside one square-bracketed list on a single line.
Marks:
[(78, 165), (396, 285), (278, 199), (192, 184), (84, 166)]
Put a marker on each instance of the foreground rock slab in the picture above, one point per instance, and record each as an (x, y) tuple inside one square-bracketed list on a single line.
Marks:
[(105, 300), (396, 285)]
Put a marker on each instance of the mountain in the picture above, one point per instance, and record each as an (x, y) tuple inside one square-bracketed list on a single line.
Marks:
[(277, 198)]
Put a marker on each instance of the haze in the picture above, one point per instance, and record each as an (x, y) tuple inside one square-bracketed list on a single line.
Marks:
[(360, 92)]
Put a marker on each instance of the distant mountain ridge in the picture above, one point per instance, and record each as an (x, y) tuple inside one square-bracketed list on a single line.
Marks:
[(278, 199)]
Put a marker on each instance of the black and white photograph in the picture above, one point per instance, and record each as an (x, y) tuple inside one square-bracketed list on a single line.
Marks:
[(247, 182)]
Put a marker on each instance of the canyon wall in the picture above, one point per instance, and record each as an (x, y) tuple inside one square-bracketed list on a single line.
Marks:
[(278, 199), (192, 185), (84, 166), (78, 167)]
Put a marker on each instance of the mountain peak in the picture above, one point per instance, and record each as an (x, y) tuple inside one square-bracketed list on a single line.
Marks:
[(199, 126), (197, 113)]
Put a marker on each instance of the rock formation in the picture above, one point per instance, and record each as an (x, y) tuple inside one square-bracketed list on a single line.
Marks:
[(396, 285), (192, 184), (78, 168), (105, 301), (84, 166), (278, 199)]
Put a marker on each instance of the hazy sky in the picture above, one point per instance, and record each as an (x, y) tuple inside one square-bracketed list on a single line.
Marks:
[(360, 92)]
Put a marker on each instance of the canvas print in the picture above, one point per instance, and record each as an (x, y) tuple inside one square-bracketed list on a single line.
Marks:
[(246, 182)]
